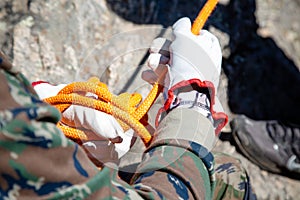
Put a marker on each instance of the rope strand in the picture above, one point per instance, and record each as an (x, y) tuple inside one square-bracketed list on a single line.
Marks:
[(203, 16)]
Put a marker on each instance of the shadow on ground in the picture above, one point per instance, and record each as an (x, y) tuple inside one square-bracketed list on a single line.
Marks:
[(263, 83)]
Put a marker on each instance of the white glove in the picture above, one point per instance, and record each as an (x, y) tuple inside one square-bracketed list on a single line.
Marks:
[(188, 58), (192, 56), (98, 122)]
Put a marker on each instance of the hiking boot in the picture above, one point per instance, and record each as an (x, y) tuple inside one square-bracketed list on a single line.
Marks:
[(272, 145)]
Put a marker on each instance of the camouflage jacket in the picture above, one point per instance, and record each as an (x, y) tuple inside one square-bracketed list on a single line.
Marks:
[(38, 162)]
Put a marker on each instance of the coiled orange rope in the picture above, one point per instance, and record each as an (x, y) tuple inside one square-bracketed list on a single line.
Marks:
[(126, 108)]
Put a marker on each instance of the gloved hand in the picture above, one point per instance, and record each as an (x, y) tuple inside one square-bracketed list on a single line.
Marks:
[(194, 66), (101, 124)]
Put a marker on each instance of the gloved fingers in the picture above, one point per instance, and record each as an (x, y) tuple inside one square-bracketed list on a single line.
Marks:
[(158, 63), (123, 148), (98, 122), (206, 35), (45, 89), (161, 46), (185, 51), (156, 59), (102, 151), (183, 25), (205, 39), (159, 56), (211, 45)]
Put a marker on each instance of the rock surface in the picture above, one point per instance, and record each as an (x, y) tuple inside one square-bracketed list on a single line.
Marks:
[(64, 40)]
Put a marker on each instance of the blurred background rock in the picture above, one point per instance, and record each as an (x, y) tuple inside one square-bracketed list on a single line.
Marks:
[(64, 40)]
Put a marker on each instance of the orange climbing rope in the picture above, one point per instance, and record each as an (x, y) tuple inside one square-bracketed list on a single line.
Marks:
[(126, 108), (203, 16)]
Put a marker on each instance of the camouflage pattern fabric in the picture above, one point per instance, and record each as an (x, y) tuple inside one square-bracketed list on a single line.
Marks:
[(38, 162), (232, 181)]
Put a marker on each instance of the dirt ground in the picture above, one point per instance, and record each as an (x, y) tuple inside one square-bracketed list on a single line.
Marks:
[(66, 40)]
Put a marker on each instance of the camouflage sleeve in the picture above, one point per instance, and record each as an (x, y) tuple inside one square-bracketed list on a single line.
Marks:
[(175, 165), (38, 162)]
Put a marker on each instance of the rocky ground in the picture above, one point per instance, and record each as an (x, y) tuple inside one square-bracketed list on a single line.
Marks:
[(63, 41)]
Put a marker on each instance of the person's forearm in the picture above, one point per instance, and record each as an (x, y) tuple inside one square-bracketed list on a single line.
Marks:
[(176, 164)]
